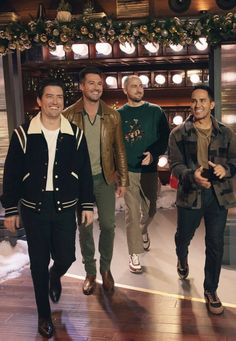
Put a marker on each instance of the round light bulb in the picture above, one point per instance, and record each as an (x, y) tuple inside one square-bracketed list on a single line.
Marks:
[(152, 47), (111, 81), (177, 78), (103, 48), (127, 48), (59, 52), (144, 79), (80, 49), (163, 161), (176, 48), (201, 45), (194, 78), (160, 79), (177, 120)]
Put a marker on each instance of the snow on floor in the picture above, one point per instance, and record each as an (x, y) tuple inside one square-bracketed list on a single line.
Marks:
[(12, 259)]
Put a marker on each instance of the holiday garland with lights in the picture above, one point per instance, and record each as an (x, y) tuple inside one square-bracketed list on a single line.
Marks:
[(23, 36)]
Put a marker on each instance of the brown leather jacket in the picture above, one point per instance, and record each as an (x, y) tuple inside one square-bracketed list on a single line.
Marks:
[(114, 163)]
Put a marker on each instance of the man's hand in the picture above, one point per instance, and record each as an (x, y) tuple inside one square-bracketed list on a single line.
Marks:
[(87, 217), (218, 170), (147, 159), (120, 191), (200, 180), (12, 222)]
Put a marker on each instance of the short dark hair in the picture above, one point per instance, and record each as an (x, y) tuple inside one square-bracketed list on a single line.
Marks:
[(89, 69), (50, 82), (206, 88)]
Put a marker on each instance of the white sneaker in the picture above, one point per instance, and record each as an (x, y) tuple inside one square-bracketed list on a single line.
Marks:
[(134, 264), (146, 241)]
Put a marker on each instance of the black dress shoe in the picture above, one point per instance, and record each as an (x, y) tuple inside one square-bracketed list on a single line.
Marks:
[(107, 281), (183, 268), (54, 286), (45, 327), (89, 284)]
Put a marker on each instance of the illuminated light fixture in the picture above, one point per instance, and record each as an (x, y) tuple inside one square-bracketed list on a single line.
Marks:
[(229, 76), (177, 120), (201, 45), (177, 78), (111, 81), (80, 49), (194, 78), (144, 79), (229, 119), (127, 48), (123, 80), (59, 52), (176, 48), (163, 161), (160, 79), (103, 48), (152, 47)]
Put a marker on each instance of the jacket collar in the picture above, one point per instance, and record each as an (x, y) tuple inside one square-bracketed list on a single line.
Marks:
[(35, 125), (190, 120), (104, 109)]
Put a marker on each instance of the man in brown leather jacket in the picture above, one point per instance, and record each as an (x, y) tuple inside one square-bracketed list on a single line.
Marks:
[(102, 128)]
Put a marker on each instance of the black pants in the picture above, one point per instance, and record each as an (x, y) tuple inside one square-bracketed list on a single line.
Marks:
[(215, 221), (49, 234)]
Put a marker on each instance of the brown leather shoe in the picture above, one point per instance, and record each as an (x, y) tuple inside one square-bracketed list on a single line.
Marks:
[(107, 281), (89, 284)]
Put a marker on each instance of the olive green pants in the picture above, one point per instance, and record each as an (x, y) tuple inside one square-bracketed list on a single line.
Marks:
[(105, 201)]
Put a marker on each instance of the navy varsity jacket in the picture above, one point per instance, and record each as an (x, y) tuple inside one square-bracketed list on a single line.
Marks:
[(25, 171)]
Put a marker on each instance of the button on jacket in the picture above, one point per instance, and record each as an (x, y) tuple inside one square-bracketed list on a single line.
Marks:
[(183, 162), (113, 157), (25, 173)]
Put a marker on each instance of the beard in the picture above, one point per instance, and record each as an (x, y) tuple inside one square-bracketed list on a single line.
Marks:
[(136, 99)]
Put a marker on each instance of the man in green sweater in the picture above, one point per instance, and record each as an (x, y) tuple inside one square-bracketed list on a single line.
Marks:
[(146, 132)]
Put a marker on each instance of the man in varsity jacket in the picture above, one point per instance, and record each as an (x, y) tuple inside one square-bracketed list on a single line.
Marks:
[(47, 173)]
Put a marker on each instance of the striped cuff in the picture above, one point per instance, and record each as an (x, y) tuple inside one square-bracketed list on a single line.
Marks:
[(87, 206), (11, 211)]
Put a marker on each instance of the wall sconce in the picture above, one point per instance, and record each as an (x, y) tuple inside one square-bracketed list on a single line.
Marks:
[(177, 120), (176, 48), (80, 49), (111, 82), (58, 52), (144, 79), (202, 44), (127, 48), (177, 78), (103, 48), (152, 47), (160, 79)]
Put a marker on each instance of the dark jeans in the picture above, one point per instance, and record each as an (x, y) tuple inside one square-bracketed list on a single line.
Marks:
[(215, 221), (105, 200), (48, 234)]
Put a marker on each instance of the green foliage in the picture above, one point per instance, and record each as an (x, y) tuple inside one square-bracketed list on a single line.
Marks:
[(22, 36)]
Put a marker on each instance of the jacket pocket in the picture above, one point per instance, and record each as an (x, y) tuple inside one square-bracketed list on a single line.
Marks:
[(26, 176), (75, 175)]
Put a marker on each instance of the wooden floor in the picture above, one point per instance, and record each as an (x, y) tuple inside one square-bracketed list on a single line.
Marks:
[(128, 315)]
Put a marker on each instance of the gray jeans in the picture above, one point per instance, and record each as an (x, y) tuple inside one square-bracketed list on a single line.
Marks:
[(140, 199)]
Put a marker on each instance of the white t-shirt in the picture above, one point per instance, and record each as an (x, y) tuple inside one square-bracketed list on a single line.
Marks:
[(51, 138)]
